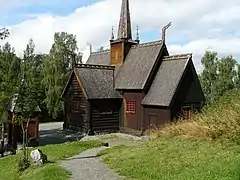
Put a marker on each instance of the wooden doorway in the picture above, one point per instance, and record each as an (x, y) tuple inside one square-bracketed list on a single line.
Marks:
[(152, 121), (77, 114)]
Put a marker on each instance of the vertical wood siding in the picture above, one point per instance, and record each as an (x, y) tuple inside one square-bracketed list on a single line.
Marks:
[(76, 120)]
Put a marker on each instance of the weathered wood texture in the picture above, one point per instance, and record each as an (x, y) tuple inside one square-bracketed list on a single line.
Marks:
[(14, 130), (189, 93), (156, 117), (105, 115), (134, 121), (76, 116), (117, 53)]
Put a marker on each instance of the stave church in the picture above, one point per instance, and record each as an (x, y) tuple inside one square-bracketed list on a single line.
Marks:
[(133, 87)]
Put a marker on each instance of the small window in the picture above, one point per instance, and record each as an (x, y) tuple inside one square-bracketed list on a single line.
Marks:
[(187, 112), (117, 55), (131, 107)]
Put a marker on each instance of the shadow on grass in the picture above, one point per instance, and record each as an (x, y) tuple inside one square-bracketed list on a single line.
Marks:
[(84, 157), (50, 162)]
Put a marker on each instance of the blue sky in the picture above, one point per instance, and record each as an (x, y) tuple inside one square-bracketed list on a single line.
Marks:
[(197, 25), (30, 9)]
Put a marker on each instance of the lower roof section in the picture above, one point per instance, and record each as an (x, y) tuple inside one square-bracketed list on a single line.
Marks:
[(98, 82), (167, 80)]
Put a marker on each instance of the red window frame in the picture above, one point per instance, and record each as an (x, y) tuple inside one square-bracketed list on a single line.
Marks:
[(131, 107)]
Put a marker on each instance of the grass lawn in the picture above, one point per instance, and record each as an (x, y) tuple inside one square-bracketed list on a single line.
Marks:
[(176, 158), (50, 171)]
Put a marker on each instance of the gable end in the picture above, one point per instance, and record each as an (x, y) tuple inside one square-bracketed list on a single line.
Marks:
[(71, 82)]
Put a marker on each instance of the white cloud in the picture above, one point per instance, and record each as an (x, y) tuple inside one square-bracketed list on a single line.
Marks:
[(201, 24)]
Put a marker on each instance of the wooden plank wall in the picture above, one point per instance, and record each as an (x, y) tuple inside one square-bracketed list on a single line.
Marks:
[(74, 93)]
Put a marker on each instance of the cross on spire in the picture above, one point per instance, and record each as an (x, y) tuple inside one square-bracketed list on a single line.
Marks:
[(124, 29)]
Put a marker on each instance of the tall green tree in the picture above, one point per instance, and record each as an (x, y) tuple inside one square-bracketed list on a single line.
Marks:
[(219, 75), (209, 75), (9, 73), (226, 75), (10, 67), (27, 96), (57, 66)]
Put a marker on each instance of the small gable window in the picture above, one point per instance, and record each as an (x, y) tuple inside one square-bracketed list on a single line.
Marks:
[(186, 112), (131, 107)]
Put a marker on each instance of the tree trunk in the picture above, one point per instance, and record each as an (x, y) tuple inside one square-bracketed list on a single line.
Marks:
[(24, 139)]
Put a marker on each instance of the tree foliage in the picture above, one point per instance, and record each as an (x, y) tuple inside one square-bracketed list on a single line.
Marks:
[(10, 67), (28, 95), (101, 48), (4, 33), (219, 75), (60, 61)]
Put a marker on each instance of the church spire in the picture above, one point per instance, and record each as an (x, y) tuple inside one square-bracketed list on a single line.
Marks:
[(124, 29)]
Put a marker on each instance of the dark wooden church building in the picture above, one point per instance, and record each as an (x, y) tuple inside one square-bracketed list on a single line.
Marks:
[(131, 87)]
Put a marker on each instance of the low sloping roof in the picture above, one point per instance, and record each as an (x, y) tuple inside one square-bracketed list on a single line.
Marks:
[(138, 65), (98, 82), (167, 80), (99, 58)]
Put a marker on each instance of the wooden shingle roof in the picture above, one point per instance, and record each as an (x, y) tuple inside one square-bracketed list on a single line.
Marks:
[(99, 58), (98, 81), (167, 80), (138, 65)]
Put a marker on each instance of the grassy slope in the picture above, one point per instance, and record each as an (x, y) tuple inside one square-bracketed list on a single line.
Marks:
[(176, 158), (206, 147), (51, 171)]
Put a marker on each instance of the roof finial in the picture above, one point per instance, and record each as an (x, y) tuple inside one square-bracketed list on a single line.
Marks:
[(164, 31), (90, 47), (124, 29), (112, 37), (137, 36)]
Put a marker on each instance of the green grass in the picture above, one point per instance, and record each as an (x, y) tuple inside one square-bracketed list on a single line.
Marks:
[(51, 170), (220, 120), (176, 158), (206, 147)]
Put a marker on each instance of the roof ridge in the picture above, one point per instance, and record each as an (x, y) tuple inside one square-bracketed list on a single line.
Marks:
[(100, 52), (151, 43), (178, 56), (95, 66)]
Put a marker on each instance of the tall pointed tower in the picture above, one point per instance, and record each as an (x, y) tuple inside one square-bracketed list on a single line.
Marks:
[(121, 46), (124, 29)]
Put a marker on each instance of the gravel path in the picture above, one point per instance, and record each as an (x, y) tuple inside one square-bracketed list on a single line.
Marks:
[(86, 166)]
